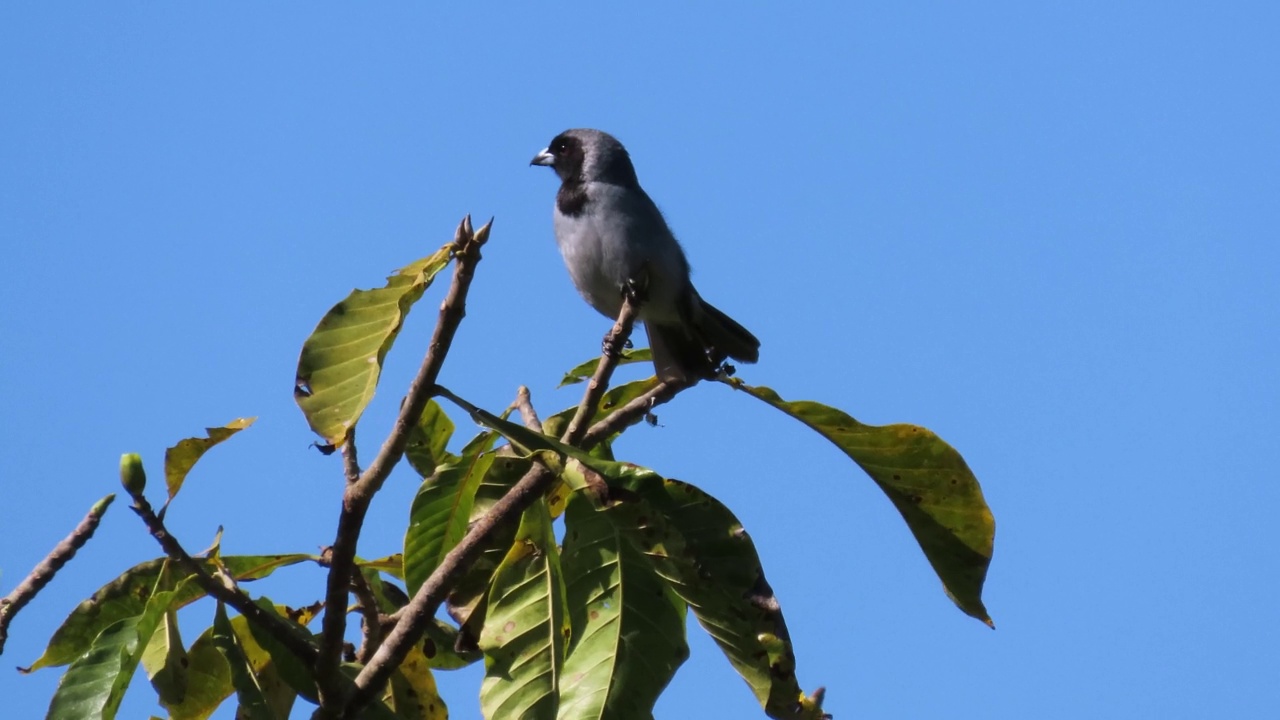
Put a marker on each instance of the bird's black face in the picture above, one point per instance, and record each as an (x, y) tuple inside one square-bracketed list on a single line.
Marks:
[(565, 155)]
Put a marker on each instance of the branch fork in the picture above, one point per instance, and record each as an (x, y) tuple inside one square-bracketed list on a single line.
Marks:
[(387, 640)]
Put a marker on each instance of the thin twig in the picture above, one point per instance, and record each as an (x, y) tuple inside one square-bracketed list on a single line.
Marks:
[(228, 593), (613, 344), (632, 412), (358, 495), (414, 617), (49, 566), (527, 414), (371, 620)]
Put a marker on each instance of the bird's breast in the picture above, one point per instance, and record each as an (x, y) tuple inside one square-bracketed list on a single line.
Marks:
[(618, 239)]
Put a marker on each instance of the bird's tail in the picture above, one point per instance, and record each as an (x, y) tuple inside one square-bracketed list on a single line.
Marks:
[(724, 335), (694, 349)]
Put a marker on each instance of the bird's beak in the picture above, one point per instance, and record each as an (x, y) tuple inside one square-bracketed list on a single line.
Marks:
[(543, 158)]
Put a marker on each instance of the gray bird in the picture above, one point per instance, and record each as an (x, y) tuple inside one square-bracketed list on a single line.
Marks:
[(613, 238)]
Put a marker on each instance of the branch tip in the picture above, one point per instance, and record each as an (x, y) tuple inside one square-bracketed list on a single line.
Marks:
[(44, 571)]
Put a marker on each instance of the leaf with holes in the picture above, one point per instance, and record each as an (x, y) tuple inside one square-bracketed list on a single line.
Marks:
[(926, 480), (718, 573), (609, 402), (628, 625), (524, 634), (179, 459), (340, 363), (412, 692)]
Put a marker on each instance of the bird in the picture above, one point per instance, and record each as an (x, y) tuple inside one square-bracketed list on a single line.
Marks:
[(615, 240)]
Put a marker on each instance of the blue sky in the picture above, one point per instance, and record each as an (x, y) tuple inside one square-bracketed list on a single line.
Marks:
[(1045, 231)]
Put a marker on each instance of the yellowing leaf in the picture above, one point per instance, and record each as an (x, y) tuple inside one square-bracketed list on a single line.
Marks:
[(926, 480), (340, 363), (179, 459)]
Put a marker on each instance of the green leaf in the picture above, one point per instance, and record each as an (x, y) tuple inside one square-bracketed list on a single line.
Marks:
[(340, 363), (583, 371), (503, 475), (179, 459), (428, 440), (392, 565), (166, 661), (297, 674), (550, 450), (926, 480), (96, 682), (466, 603), (628, 626), (613, 399), (208, 681), (718, 573), (552, 453), (126, 597), (390, 597), (524, 635), (441, 510), (251, 695)]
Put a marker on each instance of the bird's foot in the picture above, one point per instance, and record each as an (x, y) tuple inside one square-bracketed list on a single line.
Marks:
[(636, 289)]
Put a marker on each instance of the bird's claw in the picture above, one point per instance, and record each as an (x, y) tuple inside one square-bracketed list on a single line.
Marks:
[(636, 289)]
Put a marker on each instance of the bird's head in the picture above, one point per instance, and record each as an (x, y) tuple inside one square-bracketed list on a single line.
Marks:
[(584, 155)]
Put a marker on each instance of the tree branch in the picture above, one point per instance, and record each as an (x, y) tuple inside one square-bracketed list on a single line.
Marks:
[(358, 495), (371, 619), (613, 344), (350, 463), (535, 483), (632, 412), (228, 593), (412, 618), (528, 415), (44, 571)]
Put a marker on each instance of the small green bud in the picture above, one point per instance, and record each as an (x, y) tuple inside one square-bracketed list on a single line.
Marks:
[(132, 476)]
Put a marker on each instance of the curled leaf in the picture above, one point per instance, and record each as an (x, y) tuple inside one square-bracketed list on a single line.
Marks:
[(179, 459)]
